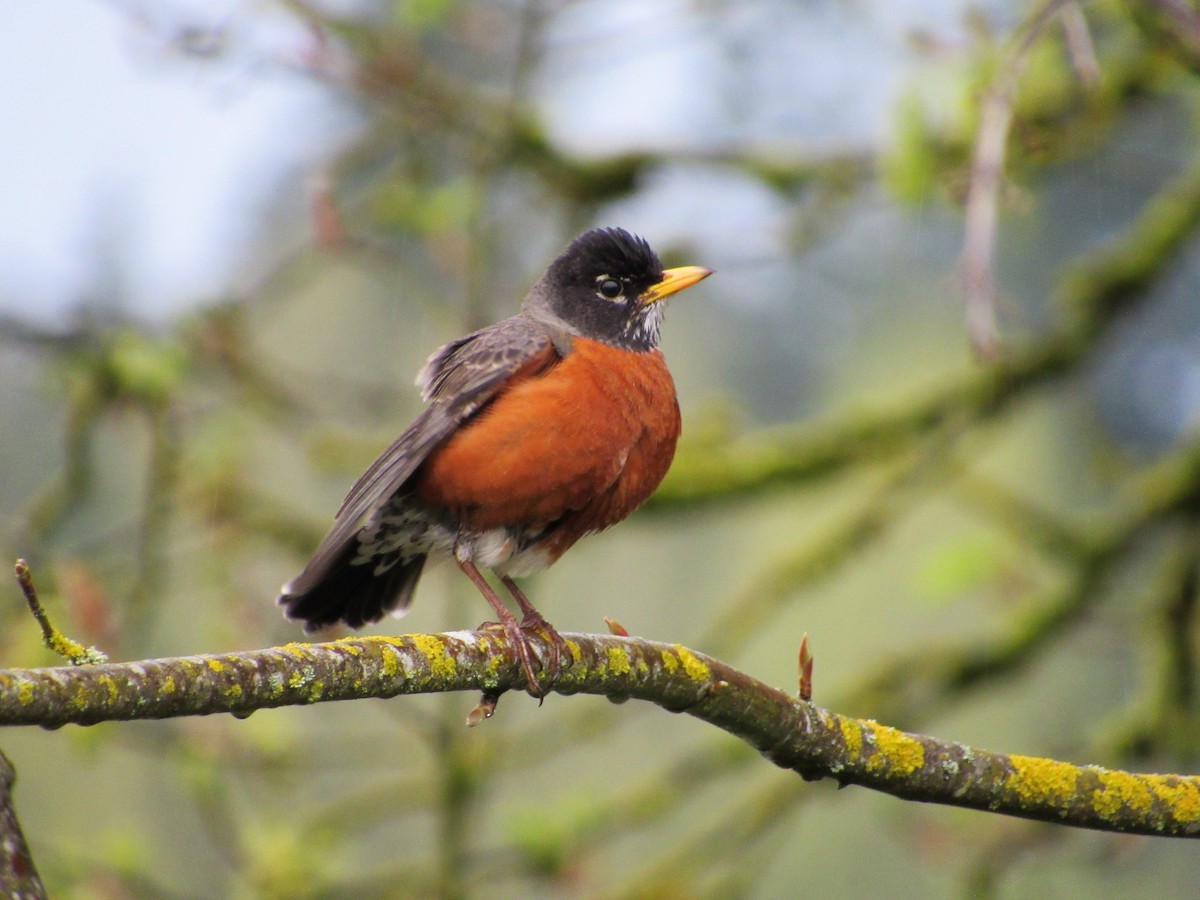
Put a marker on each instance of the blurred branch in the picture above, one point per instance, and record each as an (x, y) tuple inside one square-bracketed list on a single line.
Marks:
[(1094, 292), (18, 876), (162, 477), (736, 835), (20, 332), (47, 510), (392, 67), (654, 795), (114, 370), (795, 735), (1178, 633), (999, 855), (977, 262), (1178, 22), (220, 338), (1082, 49), (915, 682), (1166, 720), (745, 615), (1024, 519)]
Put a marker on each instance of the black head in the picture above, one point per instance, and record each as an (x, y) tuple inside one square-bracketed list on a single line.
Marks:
[(609, 285)]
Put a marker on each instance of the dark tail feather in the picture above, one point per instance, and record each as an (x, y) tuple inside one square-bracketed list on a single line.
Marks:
[(352, 594)]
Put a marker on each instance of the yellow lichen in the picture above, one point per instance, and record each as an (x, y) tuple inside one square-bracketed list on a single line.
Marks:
[(1182, 796), (1037, 781), (895, 752), (852, 736), (216, 665), (441, 662), (618, 661), (391, 664), (1121, 791), (390, 640), (493, 666), (25, 692), (695, 669), (576, 651), (110, 685), (168, 685)]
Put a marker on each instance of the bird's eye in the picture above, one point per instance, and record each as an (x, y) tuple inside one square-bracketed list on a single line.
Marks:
[(609, 288)]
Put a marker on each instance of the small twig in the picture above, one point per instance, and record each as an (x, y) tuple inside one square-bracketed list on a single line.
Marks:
[(485, 709), (615, 627), (977, 262), (72, 651), (806, 669), (326, 221), (1079, 45)]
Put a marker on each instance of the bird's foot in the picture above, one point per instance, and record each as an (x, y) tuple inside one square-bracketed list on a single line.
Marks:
[(534, 624), (519, 638), (518, 634)]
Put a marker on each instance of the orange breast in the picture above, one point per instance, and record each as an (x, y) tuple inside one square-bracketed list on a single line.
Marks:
[(586, 442)]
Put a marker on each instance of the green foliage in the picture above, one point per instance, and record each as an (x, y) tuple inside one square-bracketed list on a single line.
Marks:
[(913, 165), (405, 204), (960, 565), (1048, 84), (423, 15), (146, 370)]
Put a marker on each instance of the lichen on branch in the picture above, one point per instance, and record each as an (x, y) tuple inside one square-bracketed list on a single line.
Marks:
[(814, 742)]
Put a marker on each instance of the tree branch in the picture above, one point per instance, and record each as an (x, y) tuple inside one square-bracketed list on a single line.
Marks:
[(813, 742), (18, 875)]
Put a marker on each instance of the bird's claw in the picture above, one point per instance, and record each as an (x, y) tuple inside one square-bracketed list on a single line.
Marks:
[(534, 624), (519, 637)]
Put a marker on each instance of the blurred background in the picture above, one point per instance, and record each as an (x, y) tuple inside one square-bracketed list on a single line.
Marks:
[(233, 231)]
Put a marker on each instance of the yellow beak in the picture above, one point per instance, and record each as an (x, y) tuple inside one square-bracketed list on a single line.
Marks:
[(674, 281)]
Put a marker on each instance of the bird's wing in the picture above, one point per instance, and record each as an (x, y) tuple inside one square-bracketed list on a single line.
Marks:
[(458, 380)]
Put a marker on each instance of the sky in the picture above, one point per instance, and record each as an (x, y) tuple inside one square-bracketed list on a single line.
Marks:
[(113, 138)]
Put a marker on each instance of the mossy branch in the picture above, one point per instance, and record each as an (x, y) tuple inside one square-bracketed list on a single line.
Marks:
[(796, 735)]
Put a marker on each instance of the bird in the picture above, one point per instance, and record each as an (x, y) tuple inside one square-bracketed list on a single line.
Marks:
[(539, 429)]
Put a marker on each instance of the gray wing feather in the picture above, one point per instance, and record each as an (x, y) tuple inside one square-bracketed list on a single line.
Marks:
[(457, 380)]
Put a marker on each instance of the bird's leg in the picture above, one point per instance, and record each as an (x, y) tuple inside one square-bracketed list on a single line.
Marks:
[(518, 638), (532, 621)]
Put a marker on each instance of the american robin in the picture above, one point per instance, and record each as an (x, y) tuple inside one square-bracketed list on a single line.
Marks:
[(542, 428)]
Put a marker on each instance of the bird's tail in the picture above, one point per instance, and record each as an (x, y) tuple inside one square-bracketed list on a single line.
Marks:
[(349, 593)]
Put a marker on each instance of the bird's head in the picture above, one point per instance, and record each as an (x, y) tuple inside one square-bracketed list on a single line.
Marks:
[(609, 285)]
